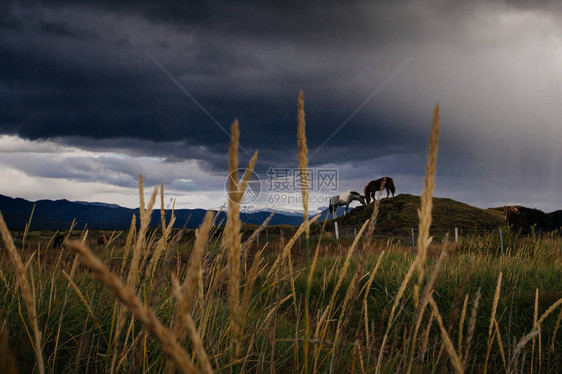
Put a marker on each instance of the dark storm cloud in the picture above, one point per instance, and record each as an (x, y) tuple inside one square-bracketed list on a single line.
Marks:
[(106, 86), (80, 73)]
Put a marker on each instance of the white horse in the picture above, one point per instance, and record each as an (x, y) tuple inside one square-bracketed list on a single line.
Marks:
[(345, 199)]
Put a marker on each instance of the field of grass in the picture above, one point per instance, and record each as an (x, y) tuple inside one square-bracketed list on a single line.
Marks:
[(156, 301)]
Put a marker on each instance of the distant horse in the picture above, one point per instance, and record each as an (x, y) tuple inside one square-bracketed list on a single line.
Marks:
[(378, 186), (102, 239), (511, 215), (523, 219), (58, 241), (345, 199)]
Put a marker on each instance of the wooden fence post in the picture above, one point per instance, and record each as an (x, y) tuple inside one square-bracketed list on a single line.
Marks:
[(337, 232), (501, 241), (456, 234)]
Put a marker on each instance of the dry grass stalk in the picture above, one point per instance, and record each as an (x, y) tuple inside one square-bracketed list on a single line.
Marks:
[(87, 303), (248, 243), (26, 291), (492, 320), (163, 242), (495, 305), (187, 291), (399, 295), (500, 343), (232, 241), (132, 275), (65, 300), (247, 175), (518, 349), (192, 331), (141, 194), (311, 270), (128, 243), (548, 312), (232, 236), (162, 210), (303, 156), (351, 293), (326, 315), (458, 296), (455, 359), (351, 289), (424, 212), (346, 263), (256, 232), (303, 168), (198, 345), (425, 341), (128, 297), (366, 295), (556, 327), (357, 345), (287, 247), (249, 286), (471, 327), (461, 324), (537, 327), (423, 303), (162, 246)]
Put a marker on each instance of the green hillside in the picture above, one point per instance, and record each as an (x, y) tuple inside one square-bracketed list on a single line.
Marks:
[(399, 214)]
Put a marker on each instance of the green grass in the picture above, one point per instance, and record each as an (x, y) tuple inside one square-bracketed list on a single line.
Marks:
[(273, 333)]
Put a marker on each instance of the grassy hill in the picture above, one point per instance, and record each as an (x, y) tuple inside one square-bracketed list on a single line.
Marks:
[(399, 214)]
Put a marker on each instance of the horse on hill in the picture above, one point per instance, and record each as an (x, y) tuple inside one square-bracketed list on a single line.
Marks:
[(345, 199), (58, 241), (523, 219), (379, 185)]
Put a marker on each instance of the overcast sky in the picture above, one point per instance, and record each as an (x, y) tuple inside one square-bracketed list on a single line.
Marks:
[(94, 93)]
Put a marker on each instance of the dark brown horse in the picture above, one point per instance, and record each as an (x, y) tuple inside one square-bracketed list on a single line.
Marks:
[(511, 215), (58, 241), (378, 186), (523, 219)]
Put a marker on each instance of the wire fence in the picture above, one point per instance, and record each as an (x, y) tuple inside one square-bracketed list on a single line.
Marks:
[(335, 235)]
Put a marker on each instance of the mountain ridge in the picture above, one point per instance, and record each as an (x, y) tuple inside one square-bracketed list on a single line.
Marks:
[(396, 215), (59, 214)]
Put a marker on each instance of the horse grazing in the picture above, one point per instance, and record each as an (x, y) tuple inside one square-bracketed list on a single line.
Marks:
[(58, 241), (511, 215), (102, 239), (523, 219), (378, 186), (345, 199)]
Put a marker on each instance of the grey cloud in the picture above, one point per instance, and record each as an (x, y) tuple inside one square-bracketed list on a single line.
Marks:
[(77, 73)]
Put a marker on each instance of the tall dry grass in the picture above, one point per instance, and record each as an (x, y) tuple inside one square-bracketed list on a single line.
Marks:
[(25, 289)]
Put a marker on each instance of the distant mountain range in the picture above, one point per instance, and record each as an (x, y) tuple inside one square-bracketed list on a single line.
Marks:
[(59, 214), (395, 215)]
